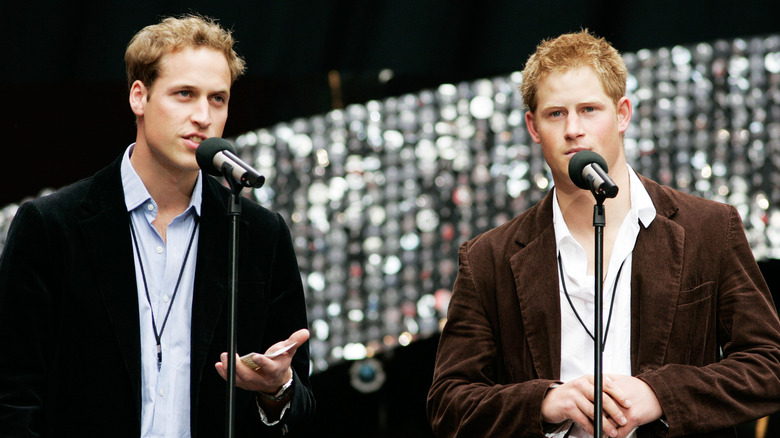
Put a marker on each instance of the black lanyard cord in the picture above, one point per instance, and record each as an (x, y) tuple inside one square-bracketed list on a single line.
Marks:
[(611, 305), (158, 336)]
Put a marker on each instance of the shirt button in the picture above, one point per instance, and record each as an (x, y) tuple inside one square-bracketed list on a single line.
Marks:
[(162, 393), (150, 206), (166, 298), (160, 250)]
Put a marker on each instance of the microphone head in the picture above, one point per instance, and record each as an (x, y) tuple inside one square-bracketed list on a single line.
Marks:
[(206, 152), (577, 165)]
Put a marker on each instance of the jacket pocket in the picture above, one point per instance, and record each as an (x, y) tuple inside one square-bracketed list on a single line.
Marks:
[(692, 339)]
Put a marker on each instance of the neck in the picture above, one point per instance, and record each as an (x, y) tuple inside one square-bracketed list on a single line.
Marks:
[(171, 189), (577, 204)]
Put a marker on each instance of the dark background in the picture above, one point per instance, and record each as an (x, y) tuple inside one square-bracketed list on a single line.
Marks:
[(66, 115), (65, 95)]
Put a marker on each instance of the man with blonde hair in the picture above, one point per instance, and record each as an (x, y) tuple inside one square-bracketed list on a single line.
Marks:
[(691, 335), (113, 291)]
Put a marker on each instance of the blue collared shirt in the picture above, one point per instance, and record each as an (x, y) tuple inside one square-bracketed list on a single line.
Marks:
[(165, 394)]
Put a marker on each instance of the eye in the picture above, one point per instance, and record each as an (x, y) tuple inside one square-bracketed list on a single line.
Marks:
[(589, 109), (219, 99), (184, 93), (556, 114)]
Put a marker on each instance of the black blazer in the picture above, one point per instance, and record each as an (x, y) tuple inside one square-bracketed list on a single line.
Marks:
[(70, 362)]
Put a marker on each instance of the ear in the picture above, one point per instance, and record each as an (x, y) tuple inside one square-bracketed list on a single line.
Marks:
[(138, 98), (530, 123), (624, 112)]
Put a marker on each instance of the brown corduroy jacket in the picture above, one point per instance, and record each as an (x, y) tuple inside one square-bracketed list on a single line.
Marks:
[(704, 331)]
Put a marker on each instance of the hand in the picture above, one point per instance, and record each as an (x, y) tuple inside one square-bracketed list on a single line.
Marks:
[(271, 373), (644, 408), (575, 401)]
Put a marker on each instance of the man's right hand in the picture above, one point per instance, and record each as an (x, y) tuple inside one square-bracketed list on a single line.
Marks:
[(574, 401)]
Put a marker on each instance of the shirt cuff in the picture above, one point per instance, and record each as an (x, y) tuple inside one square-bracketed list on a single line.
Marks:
[(559, 430), (285, 388), (264, 418)]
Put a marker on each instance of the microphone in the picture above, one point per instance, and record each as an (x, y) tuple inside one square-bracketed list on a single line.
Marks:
[(588, 171), (217, 156)]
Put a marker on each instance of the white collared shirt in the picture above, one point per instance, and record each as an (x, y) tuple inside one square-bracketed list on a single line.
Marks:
[(577, 346)]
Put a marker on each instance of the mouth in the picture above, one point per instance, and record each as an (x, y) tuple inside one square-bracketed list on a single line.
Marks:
[(572, 151), (194, 140)]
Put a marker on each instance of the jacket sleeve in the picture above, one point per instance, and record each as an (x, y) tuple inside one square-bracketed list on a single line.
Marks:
[(737, 307), (467, 398), (25, 323), (287, 314)]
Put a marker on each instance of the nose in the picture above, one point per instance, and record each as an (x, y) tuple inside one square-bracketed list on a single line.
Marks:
[(574, 128), (201, 113)]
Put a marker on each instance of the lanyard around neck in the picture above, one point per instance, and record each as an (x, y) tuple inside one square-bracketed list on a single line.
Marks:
[(158, 336), (611, 305)]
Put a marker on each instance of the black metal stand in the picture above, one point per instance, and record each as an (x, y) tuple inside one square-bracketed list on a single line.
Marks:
[(234, 210), (599, 220)]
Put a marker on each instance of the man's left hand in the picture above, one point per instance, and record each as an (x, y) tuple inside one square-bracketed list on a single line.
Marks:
[(645, 407), (271, 373)]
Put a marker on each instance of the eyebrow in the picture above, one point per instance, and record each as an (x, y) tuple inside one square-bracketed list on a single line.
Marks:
[(185, 86), (588, 102)]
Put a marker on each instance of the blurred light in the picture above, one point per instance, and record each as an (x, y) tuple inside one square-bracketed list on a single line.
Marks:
[(379, 196), (354, 351), (367, 375)]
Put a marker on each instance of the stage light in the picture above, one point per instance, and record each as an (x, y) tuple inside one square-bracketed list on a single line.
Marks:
[(367, 375)]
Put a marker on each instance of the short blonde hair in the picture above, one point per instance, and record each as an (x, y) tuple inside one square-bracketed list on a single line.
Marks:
[(147, 47), (570, 51)]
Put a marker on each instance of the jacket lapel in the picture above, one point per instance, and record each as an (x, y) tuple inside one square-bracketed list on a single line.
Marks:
[(211, 282), (654, 286), (536, 282), (655, 283), (104, 223)]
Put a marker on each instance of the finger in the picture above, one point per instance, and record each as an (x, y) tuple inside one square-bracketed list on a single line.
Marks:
[(613, 412), (616, 392), (584, 420), (613, 416), (589, 389), (221, 370), (222, 366), (588, 410), (585, 424), (583, 401), (281, 348), (609, 426), (300, 336), (272, 364), (243, 372), (586, 404), (291, 344)]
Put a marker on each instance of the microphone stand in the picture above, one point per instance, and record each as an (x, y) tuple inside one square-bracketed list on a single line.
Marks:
[(599, 220), (234, 211)]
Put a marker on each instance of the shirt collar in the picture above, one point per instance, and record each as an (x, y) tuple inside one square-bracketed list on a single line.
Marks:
[(135, 190), (641, 207)]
